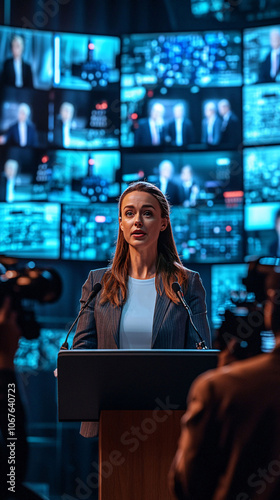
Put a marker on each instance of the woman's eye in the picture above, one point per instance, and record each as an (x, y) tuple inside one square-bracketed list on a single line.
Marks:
[(148, 213), (129, 213)]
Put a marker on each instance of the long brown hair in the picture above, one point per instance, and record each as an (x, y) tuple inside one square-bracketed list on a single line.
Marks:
[(169, 266)]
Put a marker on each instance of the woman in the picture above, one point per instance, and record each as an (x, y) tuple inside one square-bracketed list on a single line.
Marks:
[(137, 308)]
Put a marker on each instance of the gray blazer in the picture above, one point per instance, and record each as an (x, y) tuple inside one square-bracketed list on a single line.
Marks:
[(98, 326)]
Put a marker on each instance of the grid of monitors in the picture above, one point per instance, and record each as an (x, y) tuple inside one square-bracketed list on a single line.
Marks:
[(191, 78), (59, 143), (261, 154), (196, 113)]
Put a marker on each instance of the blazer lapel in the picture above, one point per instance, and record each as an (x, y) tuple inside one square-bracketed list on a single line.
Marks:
[(17, 134), (108, 324), (116, 328), (162, 303), (117, 320)]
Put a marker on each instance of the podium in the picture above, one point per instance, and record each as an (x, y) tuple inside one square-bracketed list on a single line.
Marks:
[(139, 398)]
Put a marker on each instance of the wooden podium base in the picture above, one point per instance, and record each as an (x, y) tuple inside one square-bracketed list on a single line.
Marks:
[(136, 449)]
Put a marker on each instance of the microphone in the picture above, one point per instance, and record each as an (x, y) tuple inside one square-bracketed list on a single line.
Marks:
[(178, 290), (96, 289)]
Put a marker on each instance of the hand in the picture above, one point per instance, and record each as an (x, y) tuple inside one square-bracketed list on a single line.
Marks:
[(9, 334)]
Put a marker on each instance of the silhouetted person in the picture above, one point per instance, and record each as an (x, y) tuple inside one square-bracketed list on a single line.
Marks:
[(166, 184), (179, 131), (150, 130), (8, 181), (230, 441), (230, 127), (189, 190), (23, 132), (64, 125), (17, 72), (9, 337), (269, 68), (211, 125)]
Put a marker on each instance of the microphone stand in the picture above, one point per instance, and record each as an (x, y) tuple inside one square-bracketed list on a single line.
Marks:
[(177, 289), (94, 292)]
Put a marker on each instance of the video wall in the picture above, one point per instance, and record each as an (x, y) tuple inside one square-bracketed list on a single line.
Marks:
[(196, 113)]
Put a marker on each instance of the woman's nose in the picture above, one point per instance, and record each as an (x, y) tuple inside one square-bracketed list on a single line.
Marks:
[(138, 221)]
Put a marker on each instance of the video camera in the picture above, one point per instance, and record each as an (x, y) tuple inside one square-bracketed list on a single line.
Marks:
[(243, 320), (25, 285)]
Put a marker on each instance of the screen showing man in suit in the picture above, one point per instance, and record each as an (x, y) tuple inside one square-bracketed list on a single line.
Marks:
[(17, 72), (230, 127), (166, 183), (22, 133), (63, 125), (269, 67), (150, 130), (189, 190), (8, 180), (179, 132), (211, 125)]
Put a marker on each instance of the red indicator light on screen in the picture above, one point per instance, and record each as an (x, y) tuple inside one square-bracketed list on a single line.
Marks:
[(91, 161), (45, 159), (100, 218), (141, 174), (134, 116), (150, 93), (228, 229), (233, 194), (91, 46), (102, 105)]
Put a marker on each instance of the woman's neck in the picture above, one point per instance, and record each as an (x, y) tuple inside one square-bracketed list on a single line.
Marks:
[(142, 265)]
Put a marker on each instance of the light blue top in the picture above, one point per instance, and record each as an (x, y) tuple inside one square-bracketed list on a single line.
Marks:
[(136, 324)]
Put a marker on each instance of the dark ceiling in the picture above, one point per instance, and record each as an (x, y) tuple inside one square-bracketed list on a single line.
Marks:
[(115, 17)]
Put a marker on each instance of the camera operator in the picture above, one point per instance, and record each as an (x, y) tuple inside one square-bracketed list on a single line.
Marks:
[(230, 441), (9, 337)]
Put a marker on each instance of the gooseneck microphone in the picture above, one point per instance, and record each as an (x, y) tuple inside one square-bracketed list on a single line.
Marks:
[(178, 290), (96, 289)]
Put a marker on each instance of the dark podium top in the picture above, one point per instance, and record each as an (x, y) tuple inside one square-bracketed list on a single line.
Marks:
[(90, 381)]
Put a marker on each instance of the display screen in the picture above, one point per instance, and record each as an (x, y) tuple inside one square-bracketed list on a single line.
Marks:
[(59, 176), (26, 58), (22, 122), (259, 63), (208, 236), (86, 62), (228, 10), (194, 108), (84, 120), (226, 282), (261, 114), (89, 232), (262, 174), (30, 230), (262, 224), (180, 59), (190, 179)]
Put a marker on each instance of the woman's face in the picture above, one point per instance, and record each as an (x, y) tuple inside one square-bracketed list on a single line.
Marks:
[(141, 220)]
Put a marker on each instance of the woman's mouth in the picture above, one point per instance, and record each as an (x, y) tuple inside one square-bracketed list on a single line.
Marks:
[(138, 234)]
